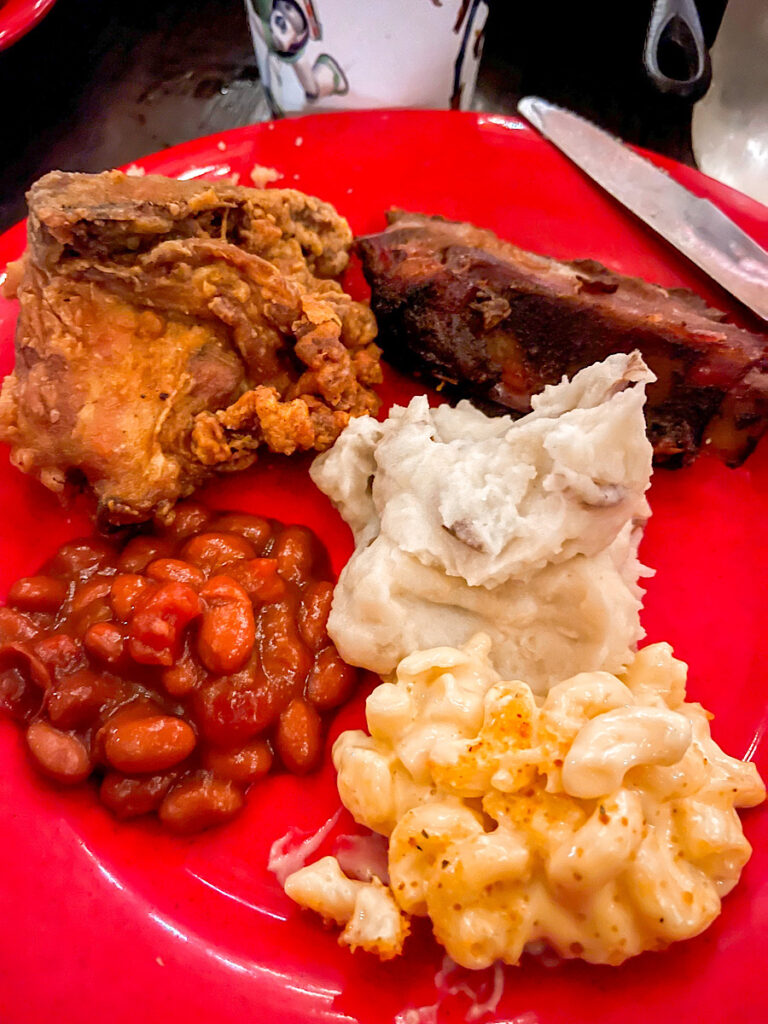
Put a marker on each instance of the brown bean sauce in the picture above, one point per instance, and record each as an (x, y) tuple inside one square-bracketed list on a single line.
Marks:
[(178, 666)]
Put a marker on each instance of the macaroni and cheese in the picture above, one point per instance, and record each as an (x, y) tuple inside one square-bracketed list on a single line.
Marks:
[(600, 819)]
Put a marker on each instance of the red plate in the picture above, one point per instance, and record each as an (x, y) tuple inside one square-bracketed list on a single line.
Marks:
[(17, 17), (112, 922)]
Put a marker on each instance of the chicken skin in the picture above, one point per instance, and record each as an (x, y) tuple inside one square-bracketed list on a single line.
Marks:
[(169, 330)]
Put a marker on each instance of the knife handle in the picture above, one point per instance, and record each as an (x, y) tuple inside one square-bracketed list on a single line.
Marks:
[(675, 54)]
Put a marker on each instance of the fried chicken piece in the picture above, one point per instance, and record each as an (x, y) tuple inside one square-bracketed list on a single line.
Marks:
[(168, 330), (488, 321), (114, 215)]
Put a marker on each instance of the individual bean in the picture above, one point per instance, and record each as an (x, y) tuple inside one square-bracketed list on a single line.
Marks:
[(129, 797), (182, 678), (228, 630), (200, 802), (59, 755), (188, 517), (60, 653), (81, 558), (79, 699), (140, 551), (149, 744), (229, 712), (295, 554), (259, 579), (209, 551), (241, 765), (38, 593), (105, 641), (155, 628), (23, 676), (133, 709), (167, 570), (314, 610), (24, 659), (255, 529), (88, 591), (15, 626), (331, 680), (127, 589), (20, 700), (298, 738), (284, 656)]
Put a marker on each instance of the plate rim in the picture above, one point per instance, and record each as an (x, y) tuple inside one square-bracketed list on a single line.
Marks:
[(243, 132)]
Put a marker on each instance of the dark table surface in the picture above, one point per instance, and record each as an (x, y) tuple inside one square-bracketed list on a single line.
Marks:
[(98, 84)]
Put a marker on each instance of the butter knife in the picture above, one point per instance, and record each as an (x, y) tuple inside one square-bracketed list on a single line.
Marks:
[(695, 226)]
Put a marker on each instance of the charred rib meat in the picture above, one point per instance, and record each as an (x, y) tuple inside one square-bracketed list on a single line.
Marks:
[(168, 330), (491, 322)]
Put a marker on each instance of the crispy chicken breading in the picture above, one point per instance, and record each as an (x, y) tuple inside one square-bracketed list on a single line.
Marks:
[(168, 330)]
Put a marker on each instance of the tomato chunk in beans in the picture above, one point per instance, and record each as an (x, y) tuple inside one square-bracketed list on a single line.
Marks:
[(179, 665)]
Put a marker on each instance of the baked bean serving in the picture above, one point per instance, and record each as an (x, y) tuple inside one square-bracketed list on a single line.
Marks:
[(175, 667)]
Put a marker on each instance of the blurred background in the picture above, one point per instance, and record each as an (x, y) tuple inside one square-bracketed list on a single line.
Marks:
[(98, 84)]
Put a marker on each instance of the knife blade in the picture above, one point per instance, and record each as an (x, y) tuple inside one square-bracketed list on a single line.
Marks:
[(698, 228)]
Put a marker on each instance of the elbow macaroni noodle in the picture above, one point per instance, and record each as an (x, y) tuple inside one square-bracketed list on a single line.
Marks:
[(600, 819)]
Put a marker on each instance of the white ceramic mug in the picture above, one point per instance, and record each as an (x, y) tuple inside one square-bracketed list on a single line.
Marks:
[(353, 54)]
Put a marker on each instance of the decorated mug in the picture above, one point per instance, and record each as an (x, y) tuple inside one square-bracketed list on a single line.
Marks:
[(347, 54)]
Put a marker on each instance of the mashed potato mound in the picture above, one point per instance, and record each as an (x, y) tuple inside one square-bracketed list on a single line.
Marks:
[(525, 529)]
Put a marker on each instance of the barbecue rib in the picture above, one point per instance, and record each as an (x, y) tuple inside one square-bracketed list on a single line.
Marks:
[(494, 323), (169, 329)]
